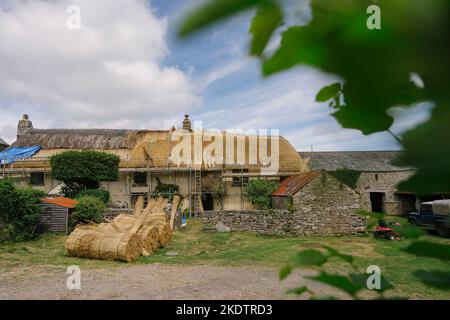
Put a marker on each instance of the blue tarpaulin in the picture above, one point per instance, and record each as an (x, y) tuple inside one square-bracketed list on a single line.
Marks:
[(17, 153)]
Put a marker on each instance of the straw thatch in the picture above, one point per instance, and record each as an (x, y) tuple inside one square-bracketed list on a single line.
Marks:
[(126, 237), (81, 139), (93, 243), (154, 147)]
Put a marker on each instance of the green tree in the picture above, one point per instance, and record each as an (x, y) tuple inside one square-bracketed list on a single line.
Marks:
[(258, 192), (81, 170)]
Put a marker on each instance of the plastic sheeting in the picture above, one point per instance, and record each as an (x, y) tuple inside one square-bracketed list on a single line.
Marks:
[(17, 153)]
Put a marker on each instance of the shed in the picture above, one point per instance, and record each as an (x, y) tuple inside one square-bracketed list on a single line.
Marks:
[(282, 197), (55, 214)]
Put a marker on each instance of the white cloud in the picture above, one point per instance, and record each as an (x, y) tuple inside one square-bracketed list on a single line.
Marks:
[(110, 73)]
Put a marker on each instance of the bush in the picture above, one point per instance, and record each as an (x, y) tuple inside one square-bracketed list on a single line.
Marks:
[(19, 213), (101, 194), (258, 192), (88, 209), (85, 168)]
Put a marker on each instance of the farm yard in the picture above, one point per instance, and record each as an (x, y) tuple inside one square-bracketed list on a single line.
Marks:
[(201, 265)]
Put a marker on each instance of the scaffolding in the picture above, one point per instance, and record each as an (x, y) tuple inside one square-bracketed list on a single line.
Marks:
[(194, 174)]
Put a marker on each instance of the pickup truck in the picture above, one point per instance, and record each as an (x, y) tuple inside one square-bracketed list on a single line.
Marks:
[(433, 215)]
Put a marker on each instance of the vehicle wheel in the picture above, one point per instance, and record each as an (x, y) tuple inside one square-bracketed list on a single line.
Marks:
[(389, 236), (442, 230), (413, 221)]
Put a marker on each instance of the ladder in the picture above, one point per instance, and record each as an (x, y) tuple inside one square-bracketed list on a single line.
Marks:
[(198, 208)]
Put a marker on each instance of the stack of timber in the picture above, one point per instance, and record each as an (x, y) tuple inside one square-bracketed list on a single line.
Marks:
[(126, 237)]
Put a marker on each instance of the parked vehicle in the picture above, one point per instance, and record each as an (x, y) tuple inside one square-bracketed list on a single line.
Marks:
[(384, 231), (433, 215)]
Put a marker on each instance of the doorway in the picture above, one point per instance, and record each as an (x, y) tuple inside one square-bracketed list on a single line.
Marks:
[(207, 201), (377, 201)]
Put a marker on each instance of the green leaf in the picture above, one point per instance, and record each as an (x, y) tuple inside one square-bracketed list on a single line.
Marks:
[(437, 279), (214, 11), (428, 148), (328, 92), (309, 257), (298, 291), (337, 281), (286, 271), (324, 298), (268, 17), (429, 249), (334, 253), (360, 279)]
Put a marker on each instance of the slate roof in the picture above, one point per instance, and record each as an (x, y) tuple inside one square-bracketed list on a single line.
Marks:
[(294, 184), (365, 161)]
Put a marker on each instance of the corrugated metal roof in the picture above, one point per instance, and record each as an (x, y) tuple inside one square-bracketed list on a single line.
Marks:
[(293, 184), (61, 201)]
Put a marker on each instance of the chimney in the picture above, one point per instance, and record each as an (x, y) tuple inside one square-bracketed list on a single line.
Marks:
[(24, 125), (187, 123)]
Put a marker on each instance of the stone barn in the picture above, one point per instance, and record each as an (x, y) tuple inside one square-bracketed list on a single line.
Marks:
[(323, 204), (312, 203), (378, 177)]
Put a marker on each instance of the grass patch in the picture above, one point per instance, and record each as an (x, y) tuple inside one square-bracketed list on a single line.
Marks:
[(195, 247)]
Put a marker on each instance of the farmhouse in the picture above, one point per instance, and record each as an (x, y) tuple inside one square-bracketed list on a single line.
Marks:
[(215, 175)]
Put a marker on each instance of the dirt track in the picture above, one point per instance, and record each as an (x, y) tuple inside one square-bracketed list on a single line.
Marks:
[(154, 282)]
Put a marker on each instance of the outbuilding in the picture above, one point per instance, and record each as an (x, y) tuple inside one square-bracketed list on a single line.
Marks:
[(55, 214)]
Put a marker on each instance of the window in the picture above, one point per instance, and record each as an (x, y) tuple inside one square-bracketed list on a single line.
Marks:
[(426, 209), (140, 179), (37, 179), (237, 182)]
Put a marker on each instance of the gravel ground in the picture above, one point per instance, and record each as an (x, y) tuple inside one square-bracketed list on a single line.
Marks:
[(155, 281)]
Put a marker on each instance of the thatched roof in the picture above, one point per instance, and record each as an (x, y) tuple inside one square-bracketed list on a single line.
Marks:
[(3, 142), (365, 161), (138, 148), (81, 139)]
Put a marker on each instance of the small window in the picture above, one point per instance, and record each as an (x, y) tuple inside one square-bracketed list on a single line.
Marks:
[(426, 209), (140, 179), (237, 182), (376, 177), (37, 179)]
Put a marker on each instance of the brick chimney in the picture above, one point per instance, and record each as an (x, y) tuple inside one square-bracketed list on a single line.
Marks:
[(187, 123), (24, 125)]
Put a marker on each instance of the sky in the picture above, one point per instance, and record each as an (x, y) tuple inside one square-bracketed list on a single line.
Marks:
[(125, 67)]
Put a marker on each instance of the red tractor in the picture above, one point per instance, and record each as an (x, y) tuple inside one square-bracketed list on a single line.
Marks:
[(383, 231)]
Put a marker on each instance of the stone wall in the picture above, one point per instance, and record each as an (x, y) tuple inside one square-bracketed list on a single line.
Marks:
[(323, 207), (384, 182)]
